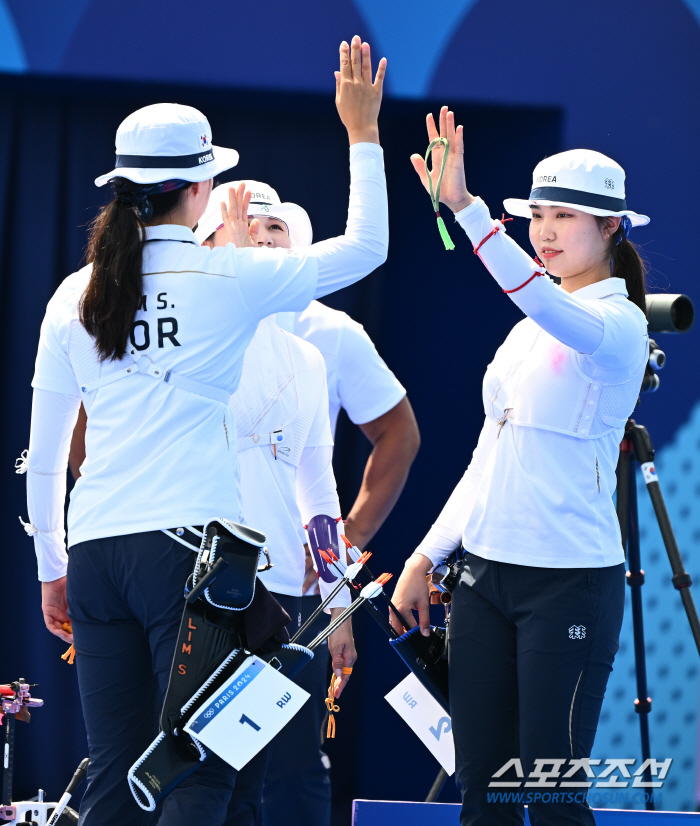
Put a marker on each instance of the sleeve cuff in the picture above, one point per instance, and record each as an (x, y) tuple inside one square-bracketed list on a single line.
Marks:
[(384, 406), (475, 220), (51, 557), (435, 557), (366, 161), (340, 600)]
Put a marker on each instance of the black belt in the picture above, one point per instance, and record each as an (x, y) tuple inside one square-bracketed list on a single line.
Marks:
[(188, 535)]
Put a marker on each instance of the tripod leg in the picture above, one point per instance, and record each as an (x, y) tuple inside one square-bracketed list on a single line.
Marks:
[(644, 451), (623, 489), (635, 579), (436, 788), (8, 759)]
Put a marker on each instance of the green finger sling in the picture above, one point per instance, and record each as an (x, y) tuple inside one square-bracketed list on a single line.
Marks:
[(435, 196)]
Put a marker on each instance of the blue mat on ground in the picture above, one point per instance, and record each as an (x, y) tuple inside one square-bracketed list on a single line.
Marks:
[(385, 812)]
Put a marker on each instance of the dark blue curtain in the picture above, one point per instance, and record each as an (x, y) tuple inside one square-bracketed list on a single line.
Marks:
[(436, 317)]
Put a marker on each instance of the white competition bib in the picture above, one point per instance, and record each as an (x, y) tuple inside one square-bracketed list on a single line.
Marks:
[(428, 719), (240, 720)]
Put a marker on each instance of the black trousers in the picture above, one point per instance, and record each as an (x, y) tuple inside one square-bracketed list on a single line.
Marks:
[(531, 650), (125, 600)]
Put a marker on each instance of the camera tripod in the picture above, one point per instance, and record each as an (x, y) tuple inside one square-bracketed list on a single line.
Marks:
[(637, 446)]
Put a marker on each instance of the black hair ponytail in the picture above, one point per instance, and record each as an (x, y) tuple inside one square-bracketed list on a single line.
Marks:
[(115, 250), (627, 264)]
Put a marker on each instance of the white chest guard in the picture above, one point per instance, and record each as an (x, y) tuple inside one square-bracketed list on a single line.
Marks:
[(280, 389), (536, 381)]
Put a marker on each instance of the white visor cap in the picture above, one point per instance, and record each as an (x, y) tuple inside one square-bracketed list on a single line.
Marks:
[(582, 179), (167, 141), (264, 203)]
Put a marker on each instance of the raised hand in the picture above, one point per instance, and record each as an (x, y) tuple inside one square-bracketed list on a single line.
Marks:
[(358, 98), (235, 217), (453, 191)]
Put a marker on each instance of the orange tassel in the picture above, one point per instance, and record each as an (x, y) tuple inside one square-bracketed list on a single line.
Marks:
[(332, 706), (69, 655)]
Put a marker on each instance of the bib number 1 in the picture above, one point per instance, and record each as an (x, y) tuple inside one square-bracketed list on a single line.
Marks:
[(253, 725)]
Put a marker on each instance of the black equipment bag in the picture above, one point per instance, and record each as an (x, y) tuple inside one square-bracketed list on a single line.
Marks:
[(426, 658), (213, 641)]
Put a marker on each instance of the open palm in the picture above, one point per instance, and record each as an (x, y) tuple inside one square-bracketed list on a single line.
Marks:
[(453, 191)]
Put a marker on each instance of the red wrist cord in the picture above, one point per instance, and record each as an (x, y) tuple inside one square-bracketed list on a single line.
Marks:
[(490, 235), (524, 284)]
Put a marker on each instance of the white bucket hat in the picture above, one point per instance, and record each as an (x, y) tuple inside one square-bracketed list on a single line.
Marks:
[(167, 141), (264, 202), (582, 179)]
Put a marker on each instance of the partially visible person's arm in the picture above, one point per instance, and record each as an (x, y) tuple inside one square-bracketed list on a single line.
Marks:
[(55, 406), (444, 537), (574, 322), (76, 455), (53, 420), (296, 276), (365, 244), (395, 440), (316, 493)]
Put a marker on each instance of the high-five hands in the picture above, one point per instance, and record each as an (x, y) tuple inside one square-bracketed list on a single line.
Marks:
[(235, 218), (358, 98), (453, 192)]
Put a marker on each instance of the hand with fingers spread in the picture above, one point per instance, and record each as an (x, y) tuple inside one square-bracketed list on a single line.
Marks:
[(453, 191), (358, 98), (412, 594), (235, 218)]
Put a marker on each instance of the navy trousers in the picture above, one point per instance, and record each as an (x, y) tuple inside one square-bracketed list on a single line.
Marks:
[(531, 650), (298, 784), (125, 601)]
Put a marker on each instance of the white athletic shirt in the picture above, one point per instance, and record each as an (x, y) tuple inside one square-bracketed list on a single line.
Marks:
[(156, 455), (283, 393), (539, 488), (359, 380)]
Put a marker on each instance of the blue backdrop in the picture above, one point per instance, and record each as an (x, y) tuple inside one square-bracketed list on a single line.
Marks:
[(539, 77)]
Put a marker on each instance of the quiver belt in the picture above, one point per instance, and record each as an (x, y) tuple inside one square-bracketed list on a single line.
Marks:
[(426, 657), (213, 641)]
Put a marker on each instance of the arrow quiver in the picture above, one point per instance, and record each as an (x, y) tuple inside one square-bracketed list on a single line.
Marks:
[(228, 615), (427, 659)]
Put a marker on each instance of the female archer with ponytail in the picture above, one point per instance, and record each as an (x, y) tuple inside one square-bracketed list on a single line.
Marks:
[(537, 610), (625, 262), (150, 338), (109, 304)]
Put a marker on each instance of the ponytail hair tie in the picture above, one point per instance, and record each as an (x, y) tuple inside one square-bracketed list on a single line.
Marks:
[(625, 227), (137, 196)]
